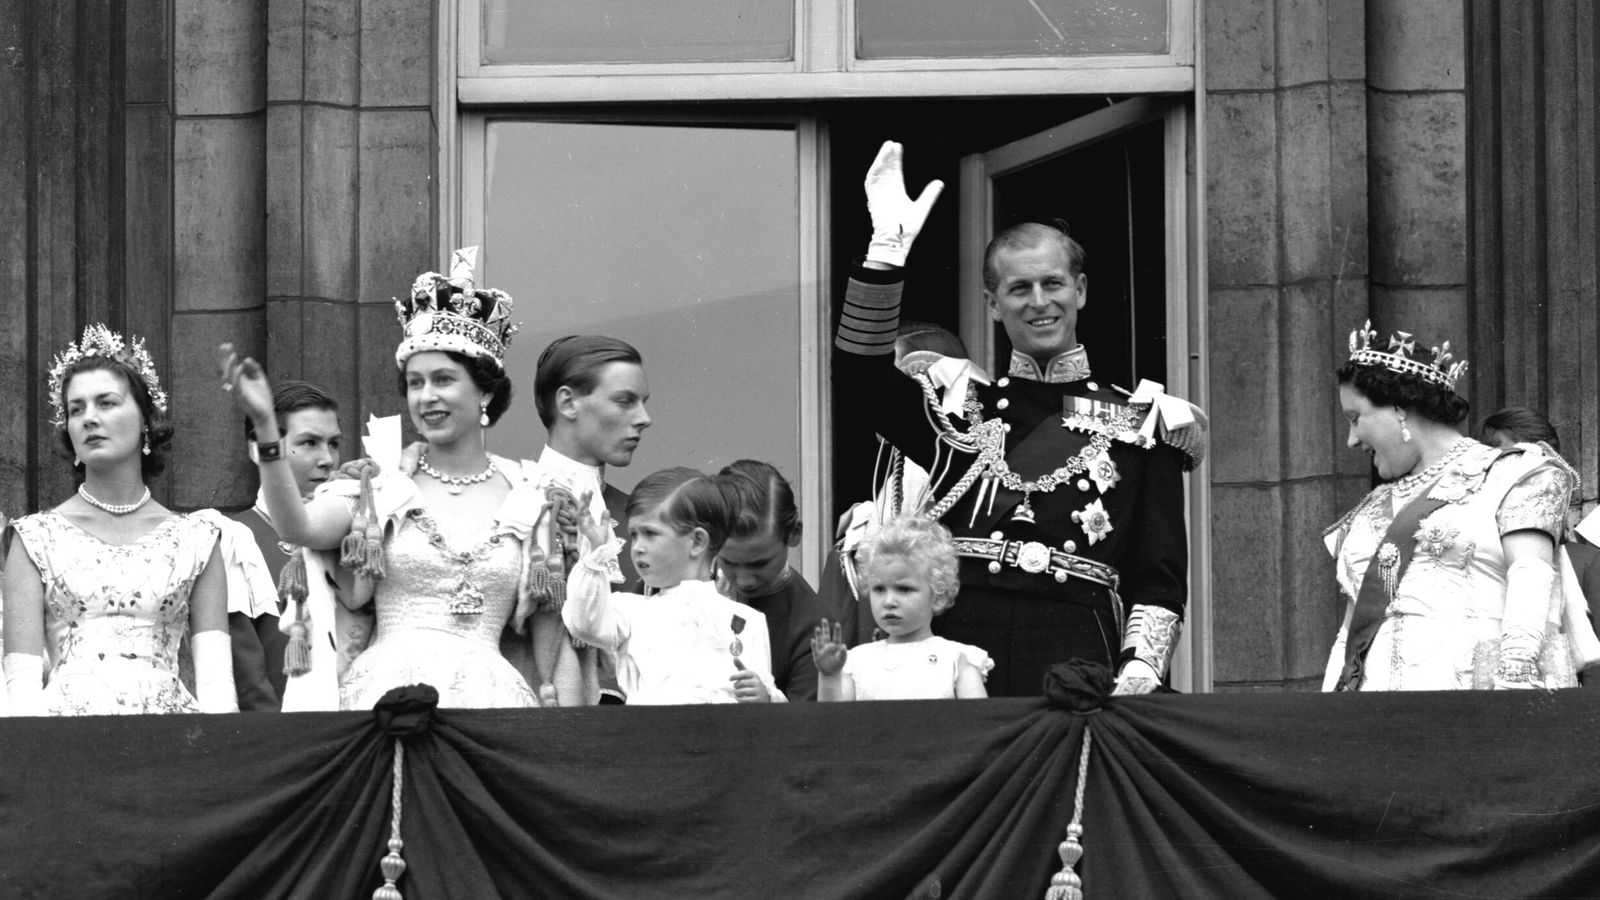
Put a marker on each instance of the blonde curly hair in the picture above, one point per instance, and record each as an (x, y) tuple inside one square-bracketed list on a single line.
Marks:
[(925, 544)]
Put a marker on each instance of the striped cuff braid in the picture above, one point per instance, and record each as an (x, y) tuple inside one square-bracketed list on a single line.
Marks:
[(871, 318)]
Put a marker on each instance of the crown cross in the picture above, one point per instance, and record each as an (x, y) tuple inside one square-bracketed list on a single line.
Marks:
[(1441, 371)]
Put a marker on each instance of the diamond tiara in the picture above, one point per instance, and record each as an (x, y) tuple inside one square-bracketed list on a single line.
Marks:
[(98, 340), (1441, 371)]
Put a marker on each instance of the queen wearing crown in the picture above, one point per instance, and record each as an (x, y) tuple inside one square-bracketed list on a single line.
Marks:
[(1449, 566), (455, 552), (102, 590)]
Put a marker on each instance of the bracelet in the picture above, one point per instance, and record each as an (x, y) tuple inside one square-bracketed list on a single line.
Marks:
[(1517, 671), (269, 452)]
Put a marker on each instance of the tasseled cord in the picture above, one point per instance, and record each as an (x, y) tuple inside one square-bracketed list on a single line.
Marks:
[(1065, 884), (544, 583), (361, 551), (293, 589), (393, 864)]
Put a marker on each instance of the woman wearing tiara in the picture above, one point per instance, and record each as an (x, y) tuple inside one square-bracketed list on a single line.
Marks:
[(454, 552), (101, 590), (1448, 566)]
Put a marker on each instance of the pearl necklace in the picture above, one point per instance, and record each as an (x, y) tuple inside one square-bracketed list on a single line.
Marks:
[(453, 482), (1410, 482), (116, 509)]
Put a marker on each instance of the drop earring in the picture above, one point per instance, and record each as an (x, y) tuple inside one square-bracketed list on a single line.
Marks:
[(146, 450), (1405, 433), (483, 413)]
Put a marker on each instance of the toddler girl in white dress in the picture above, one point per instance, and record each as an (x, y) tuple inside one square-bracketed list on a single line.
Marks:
[(910, 572)]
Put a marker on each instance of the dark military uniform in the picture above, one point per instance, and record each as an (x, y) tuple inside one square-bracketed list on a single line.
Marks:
[(1065, 518)]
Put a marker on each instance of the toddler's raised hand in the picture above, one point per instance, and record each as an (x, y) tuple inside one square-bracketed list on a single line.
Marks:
[(828, 651)]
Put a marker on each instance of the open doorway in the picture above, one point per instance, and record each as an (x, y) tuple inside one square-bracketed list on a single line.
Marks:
[(1099, 165)]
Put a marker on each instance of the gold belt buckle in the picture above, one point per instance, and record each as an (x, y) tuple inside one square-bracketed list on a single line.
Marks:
[(1033, 557)]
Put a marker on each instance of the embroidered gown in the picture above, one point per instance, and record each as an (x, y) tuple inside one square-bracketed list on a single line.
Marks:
[(115, 614), (1442, 627), (440, 609)]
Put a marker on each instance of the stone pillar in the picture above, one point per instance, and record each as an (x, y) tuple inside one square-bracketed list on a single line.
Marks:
[(1416, 128), (1286, 187), (350, 188), (218, 234), (1534, 205), (61, 257)]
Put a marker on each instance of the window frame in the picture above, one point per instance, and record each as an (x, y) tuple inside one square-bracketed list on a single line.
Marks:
[(470, 92), (814, 489), (824, 66)]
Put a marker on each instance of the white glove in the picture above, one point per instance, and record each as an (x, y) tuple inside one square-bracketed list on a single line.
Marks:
[(25, 683), (896, 218), (1136, 677), (213, 672), (1522, 624)]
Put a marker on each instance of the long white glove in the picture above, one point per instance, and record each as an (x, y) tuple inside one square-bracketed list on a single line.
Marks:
[(896, 218), (213, 672), (1522, 625), (25, 683)]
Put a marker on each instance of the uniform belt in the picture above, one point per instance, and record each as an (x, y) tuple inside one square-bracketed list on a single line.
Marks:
[(1036, 558)]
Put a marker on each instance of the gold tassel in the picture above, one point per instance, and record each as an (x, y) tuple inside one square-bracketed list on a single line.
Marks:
[(293, 588), (555, 568), (353, 549), (536, 576), (292, 583), (374, 557), (1065, 884), (297, 653)]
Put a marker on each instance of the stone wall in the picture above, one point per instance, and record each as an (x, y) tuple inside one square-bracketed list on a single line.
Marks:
[(1336, 190), (205, 170)]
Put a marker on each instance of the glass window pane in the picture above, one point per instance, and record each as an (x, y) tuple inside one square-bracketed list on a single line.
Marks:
[(902, 29), (630, 31), (680, 240)]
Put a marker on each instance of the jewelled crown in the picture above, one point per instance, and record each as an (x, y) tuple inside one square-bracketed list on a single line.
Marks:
[(1442, 371), (98, 340), (449, 313)]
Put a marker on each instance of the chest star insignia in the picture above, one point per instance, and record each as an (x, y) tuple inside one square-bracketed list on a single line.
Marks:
[(1103, 472), (1095, 521)]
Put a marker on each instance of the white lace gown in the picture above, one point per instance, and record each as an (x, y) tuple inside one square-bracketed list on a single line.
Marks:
[(1441, 630), (919, 670), (440, 612), (115, 614)]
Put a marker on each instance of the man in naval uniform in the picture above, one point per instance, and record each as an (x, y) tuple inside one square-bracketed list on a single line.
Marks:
[(1064, 496)]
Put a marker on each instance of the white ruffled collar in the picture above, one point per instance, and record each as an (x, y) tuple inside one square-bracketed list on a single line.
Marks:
[(570, 472)]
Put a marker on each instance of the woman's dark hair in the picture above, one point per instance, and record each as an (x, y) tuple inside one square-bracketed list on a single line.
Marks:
[(575, 361), (762, 500), (1522, 425), (486, 374), (1385, 387), (685, 499), (157, 430)]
